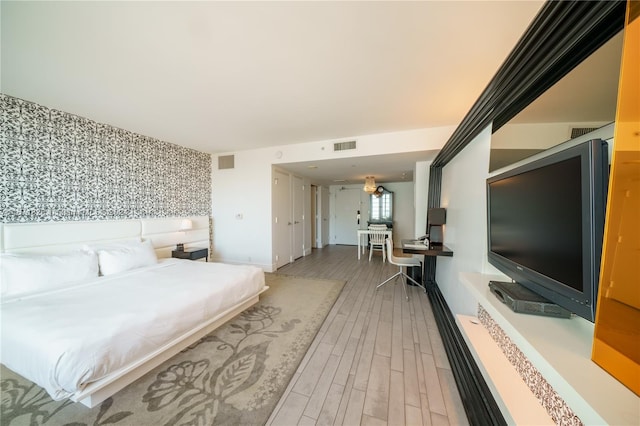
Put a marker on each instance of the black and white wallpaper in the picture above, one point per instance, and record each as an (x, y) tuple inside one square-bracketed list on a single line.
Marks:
[(57, 166)]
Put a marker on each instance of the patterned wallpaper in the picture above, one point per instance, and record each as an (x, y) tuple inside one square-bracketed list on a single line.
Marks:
[(60, 167)]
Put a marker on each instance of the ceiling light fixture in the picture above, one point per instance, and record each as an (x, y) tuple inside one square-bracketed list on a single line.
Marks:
[(369, 185)]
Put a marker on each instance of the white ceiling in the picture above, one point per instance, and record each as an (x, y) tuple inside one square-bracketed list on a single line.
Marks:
[(230, 76), (344, 171)]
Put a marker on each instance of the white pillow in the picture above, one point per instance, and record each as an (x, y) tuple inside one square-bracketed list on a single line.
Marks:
[(21, 273), (124, 257)]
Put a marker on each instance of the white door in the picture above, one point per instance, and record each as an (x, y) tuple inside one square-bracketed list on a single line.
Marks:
[(324, 215), (282, 224), (314, 215), (298, 217), (349, 216)]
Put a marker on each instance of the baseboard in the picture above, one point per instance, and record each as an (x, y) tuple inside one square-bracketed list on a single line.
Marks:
[(265, 267)]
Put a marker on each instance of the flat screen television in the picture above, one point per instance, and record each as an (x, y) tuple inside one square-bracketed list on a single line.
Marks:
[(546, 223)]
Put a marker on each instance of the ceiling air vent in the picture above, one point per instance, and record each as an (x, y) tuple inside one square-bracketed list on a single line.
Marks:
[(226, 162), (343, 146), (579, 131)]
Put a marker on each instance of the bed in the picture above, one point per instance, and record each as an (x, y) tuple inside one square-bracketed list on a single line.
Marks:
[(89, 337)]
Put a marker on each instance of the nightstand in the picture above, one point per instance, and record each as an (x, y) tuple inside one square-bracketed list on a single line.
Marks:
[(191, 253)]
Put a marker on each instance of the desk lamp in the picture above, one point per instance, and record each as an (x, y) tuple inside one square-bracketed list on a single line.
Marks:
[(436, 217)]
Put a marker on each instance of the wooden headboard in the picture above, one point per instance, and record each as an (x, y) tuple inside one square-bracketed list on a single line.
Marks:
[(60, 237)]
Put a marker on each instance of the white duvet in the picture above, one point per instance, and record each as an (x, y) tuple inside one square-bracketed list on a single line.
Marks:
[(67, 338)]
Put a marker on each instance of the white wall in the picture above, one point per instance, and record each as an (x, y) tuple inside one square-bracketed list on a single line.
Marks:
[(323, 216), (604, 132), (246, 189), (464, 197), (308, 218), (403, 210), (382, 143), (536, 135), (421, 195)]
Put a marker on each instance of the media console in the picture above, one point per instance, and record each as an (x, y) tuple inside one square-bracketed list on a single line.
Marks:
[(551, 356)]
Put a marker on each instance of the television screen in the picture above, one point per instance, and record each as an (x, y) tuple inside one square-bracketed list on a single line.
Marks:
[(545, 224)]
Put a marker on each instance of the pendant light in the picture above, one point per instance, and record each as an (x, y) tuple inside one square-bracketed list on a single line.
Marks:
[(369, 185)]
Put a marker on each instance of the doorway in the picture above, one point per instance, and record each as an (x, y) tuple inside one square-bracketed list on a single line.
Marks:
[(297, 207), (282, 218), (319, 214), (351, 214)]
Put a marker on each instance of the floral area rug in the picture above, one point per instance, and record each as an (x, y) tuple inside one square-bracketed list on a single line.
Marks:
[(233, 376)]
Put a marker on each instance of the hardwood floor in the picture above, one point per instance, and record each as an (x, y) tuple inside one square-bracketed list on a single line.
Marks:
[(377, 360)]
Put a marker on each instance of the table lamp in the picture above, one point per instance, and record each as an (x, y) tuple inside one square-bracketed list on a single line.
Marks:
[(436, 218), (185, 226)]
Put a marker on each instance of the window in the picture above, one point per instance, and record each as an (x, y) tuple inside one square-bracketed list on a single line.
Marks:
[(382, 206)]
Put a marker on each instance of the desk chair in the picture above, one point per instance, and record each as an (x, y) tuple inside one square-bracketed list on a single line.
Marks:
[(401, 262), (377, 237)]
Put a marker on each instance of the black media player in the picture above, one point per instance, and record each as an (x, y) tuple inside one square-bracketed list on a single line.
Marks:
[(522, 300)]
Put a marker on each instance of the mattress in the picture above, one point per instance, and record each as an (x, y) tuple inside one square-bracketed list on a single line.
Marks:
[(67, 338)]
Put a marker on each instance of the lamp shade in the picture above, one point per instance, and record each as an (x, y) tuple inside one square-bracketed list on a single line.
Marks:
[(436, 216), (369, 185), (186, 225)]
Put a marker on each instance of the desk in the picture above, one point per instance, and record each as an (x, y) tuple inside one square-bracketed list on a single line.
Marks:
[(363, 233), (432, 251)]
